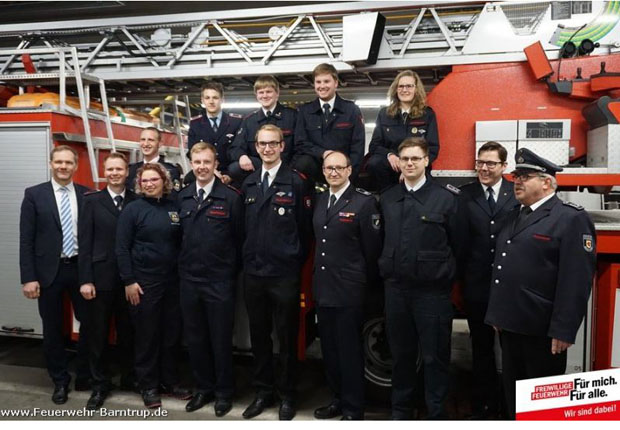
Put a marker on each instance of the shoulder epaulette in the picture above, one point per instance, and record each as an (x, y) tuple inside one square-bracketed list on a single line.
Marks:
[(89, 192), (234, 189), (453, 189), (363, 191), (235, 115), (301, 175), (573, 205), (194, 118)]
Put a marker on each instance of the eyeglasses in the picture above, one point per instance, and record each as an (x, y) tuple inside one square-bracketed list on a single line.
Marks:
[(490, 164), (337, 169), (405, 87), (414, 160), (524, 177), (150, 181), (271, 144)]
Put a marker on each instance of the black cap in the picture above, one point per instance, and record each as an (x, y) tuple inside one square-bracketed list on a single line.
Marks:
[(527, 160)]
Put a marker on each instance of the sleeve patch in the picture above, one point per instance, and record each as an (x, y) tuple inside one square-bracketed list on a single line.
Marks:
[(588, 243)]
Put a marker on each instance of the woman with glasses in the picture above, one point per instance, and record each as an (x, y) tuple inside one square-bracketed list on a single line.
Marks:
[(406, 116), (147, 247)]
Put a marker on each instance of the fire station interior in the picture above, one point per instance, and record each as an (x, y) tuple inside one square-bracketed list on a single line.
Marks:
[(150, 73)]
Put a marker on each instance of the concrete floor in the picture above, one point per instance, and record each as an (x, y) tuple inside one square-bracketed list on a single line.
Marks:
[(25, 386)]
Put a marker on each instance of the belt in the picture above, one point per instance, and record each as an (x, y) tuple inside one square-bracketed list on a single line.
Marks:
[(69, 260)]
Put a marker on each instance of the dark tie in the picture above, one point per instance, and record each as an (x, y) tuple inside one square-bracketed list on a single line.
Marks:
[(201, 195), (332, 202), (265, 183), (214, 124), (491, 200), (405, 115), (524, 213), (119, 202), (268, 115), (326, 111)]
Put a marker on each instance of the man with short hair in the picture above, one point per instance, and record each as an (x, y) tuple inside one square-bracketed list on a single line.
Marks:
[(243, 155), (100, 282), (329, 123), (48, 254), (278, 226), (347, 227), (483, 207), (212, 221), (214, 126), (150, 142), (544, 266), (418, 267)]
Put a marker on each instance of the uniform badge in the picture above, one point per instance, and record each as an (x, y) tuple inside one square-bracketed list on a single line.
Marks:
[(278, 115), (229, 135), (281, 211), (414, 130), (520, 160), (588, 243), (376, 221), (174, 216), (308, 202), (177, 185)]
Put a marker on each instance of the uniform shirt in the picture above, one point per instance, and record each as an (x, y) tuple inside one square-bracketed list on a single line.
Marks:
[(417, 185), (495, 189), (245, 140), (113, 194), (148, 238), (540, 202), (207, 188), (74, 211), (339, 193), (271, 172)]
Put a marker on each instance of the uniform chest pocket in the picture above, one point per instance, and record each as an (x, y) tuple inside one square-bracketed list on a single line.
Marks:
[(432, 218), (434, 265), (314, 123)]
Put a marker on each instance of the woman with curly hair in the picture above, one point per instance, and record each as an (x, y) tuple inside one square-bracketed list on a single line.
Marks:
[(406, 116), (148, 239)]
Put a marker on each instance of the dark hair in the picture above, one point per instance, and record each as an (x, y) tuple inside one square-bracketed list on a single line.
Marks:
[(212, 85), (61, 148), (117, 156), (325, 69), (161, 171), (412, 142), (494, 146)]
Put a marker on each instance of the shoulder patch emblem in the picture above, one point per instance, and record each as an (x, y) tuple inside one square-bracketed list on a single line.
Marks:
[(176, 184), (453, 189), (588, 243), (308, 202), (376, 221), (363, 191), (573, 205)]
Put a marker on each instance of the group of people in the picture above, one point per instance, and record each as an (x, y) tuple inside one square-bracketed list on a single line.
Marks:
[(164, 260)]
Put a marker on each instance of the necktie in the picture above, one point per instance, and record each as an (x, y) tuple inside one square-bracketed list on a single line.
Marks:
[(214, 124), (265, 183), (490, 199), (119, 202), (66, 222), (268, 114), (201, 195), (326, 111), (332, 202), (523, 214), (405, 115)]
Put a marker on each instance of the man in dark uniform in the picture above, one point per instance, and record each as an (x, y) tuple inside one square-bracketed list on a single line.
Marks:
[(150, 141), (214, 126), (100, 282), (542, 275), (212, 220), (347, 227), (418, 267), (329, 123), (483, 206), (278, 226), (48, 254), (243, 155)]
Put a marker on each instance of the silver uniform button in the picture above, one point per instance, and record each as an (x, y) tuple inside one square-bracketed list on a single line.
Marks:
[(499, 267), (492, 222), (492, 250), (324, 227), (322, 254), (323, 240), (503, 254), (492, 236), (508, 242), (497, 281), (322, 267)]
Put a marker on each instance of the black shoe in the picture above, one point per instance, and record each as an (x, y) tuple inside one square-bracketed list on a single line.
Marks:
[(326, 412), (82, 384), (60, 394), (176, 392), (257, 407), (96, 400), (287, 410), (347, 418), (222, 407), (151, 398), (198, 401)]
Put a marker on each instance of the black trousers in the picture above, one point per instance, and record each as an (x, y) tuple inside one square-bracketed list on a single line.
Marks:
[(51, 311), (208, 318), (525, 357), (273, 300), (105, 306), (157, 328), (340, 329), (485, 386), (419, 317)]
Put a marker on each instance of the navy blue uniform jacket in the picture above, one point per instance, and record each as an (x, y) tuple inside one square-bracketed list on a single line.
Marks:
[(40, 233), (348, 244), (420, 234), (212, 233), (97, 238), (390, 131), (244, 143), (200, 128), (543, 271), (278, 225), (344, 131), (148, 239)]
